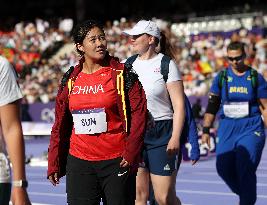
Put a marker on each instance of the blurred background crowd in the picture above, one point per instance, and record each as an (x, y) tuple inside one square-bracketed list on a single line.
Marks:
[(41, 50), (41, 53)]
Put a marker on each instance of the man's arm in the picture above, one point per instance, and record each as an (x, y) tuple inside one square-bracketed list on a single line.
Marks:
[(209, 117), (207, 123)]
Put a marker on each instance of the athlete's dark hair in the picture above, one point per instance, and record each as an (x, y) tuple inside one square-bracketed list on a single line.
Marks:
[(80, 31), (236, 45), (165, 46)]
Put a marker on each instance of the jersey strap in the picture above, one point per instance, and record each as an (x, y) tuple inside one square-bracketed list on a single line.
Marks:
[(130, 60), (164, 67), (254, 78), (222, 78), (253, 74)]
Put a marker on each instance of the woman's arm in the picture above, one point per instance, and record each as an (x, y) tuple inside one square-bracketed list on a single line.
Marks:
[(176, 92)]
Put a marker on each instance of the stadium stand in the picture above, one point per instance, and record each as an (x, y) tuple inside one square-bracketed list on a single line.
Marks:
[(42, 53)]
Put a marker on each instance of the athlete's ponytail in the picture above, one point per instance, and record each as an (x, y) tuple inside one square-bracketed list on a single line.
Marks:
[(165, 46)]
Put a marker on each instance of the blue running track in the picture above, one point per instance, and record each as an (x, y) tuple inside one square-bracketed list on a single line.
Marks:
[(196, 185)]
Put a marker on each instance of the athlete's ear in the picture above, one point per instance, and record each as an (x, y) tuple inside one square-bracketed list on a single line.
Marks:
[(151, 40), (79, 47)]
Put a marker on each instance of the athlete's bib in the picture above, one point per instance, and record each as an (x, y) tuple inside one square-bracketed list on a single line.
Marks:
[(236, 109), (90, 121)]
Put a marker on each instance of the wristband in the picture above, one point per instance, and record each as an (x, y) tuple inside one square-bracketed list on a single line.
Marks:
[(20, 183), (206, 130)]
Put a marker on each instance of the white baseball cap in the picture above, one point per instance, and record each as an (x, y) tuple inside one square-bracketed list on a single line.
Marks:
[(143, 26)]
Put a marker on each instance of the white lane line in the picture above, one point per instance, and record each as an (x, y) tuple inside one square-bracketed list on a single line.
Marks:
[(199, 166), (193, 181), (35, 175), (190, 181), (215, 174), (262, 168), (212, 167), (194, 170), (10, 203), (45, 183), (40, 204), (59, 195), (46, 194), (148, 204), (211, 182), (213, 193)]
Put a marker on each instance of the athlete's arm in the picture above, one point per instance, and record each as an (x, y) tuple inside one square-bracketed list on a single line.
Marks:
[(263, 109), (12, 132), (176, 92), (209, 117), (207, 123)]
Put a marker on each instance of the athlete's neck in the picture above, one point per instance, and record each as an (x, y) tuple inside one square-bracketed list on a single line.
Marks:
[(147, 55), (90, 66)]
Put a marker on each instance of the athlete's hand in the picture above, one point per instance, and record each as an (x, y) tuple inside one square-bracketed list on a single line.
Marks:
[(173, 146), (124, 163), (53, 178), (205, 139), (19, 196)]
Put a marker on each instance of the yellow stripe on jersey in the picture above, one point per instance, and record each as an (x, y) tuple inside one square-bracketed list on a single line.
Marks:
[(70, 85), (120, 88)]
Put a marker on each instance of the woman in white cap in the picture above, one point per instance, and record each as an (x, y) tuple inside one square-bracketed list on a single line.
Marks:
[(162, 153)]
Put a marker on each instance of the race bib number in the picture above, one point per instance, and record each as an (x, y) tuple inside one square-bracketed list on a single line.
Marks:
[(89, 121), (236, 109)]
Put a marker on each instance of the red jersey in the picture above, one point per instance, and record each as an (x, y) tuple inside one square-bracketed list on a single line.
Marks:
[(97, 91)]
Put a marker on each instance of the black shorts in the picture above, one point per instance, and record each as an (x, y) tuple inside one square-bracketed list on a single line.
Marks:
[(88, 181)]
